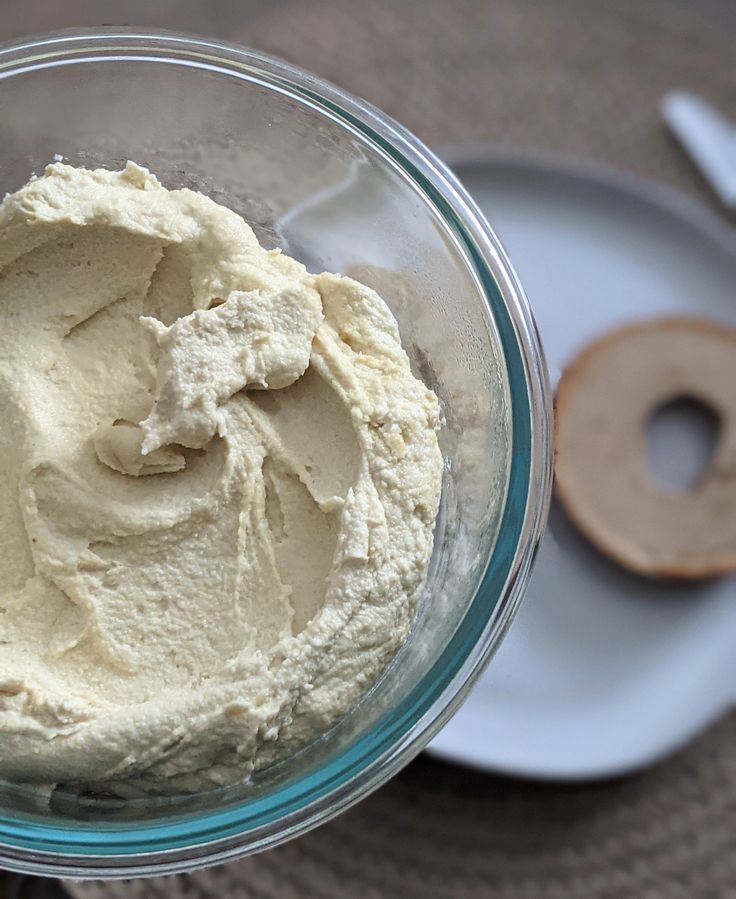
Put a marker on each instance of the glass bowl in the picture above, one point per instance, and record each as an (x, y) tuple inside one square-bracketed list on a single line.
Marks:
[(343, 188)]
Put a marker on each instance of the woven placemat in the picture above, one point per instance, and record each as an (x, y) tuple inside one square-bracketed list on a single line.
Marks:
[(569, 75), (441, 831)]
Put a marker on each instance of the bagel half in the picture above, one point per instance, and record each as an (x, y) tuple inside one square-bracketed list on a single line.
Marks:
[(605, 400)]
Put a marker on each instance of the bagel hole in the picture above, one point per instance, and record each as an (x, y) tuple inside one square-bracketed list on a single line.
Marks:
[(682, 435)]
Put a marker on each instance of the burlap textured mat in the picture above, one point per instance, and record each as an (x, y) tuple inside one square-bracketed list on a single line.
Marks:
[(436, 830), (572, 75)]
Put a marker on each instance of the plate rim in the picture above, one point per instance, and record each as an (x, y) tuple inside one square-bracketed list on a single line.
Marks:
[(669, 199)]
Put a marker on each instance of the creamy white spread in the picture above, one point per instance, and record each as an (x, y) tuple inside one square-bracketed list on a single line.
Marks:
[(218, 487)]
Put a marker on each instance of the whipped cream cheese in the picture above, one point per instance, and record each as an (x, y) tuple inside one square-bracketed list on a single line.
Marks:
[(218, 488)]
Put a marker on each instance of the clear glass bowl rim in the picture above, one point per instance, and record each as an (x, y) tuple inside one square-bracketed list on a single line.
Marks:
[(194, 840)]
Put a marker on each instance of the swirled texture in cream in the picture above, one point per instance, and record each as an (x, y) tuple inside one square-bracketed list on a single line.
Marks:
[(218, 488)]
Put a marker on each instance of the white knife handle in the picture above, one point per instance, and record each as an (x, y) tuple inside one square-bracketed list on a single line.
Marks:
[(709, 139)]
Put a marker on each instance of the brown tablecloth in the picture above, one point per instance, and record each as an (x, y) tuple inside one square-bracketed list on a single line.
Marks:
[(575, 76)]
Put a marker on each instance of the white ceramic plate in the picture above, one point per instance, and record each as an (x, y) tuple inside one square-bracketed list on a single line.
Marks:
[(602, 672)]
